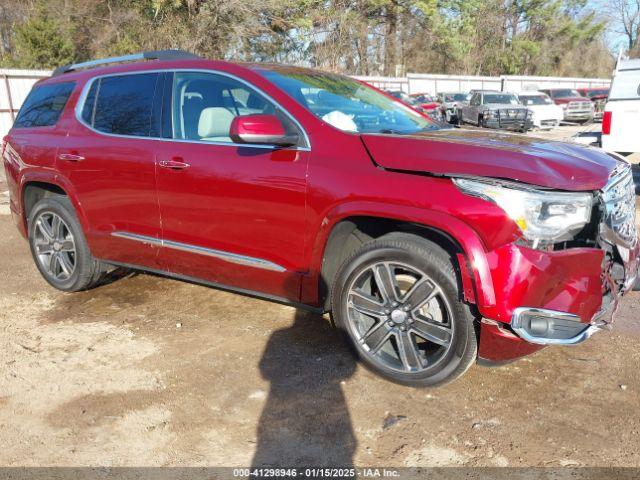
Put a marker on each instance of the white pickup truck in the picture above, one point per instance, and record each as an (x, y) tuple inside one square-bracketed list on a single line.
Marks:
[(621, 120)]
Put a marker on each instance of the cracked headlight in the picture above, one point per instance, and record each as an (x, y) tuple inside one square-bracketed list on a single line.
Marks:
[(544, 217)]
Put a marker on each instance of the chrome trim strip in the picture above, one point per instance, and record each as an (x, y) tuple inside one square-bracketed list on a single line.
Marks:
[(85, 91), (138, 238), (516, 325), (209, 252)]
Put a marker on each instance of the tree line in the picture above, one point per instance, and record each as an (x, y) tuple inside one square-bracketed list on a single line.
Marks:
[(360, 37)]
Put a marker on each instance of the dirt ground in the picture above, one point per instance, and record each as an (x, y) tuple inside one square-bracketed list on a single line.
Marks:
[(151, 371)]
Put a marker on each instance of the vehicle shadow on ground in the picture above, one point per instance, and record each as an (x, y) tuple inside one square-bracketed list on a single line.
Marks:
[(306, 421)]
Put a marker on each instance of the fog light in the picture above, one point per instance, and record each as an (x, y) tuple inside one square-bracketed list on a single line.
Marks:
[(539, 326), (548, 327)]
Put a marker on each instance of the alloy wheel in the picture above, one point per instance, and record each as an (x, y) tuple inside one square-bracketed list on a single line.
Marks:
[(399, 317), (54, 246)]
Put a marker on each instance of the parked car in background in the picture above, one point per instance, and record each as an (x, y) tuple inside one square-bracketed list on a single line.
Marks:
[(431, 247), (499, 110), (430, 105), (576, 108), (598, 96), (544, 113), (450, 103), (621, 121), (415, 103)]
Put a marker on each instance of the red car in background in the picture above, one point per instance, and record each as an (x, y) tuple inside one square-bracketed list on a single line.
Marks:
[(430, 105), (431, 247), (576, 108), (598, 96), (419, 102)]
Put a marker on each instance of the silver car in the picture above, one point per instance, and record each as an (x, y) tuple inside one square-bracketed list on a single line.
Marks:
[(491, 109)]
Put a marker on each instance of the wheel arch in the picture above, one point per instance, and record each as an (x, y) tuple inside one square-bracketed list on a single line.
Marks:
[(37, 187), (347, 227)]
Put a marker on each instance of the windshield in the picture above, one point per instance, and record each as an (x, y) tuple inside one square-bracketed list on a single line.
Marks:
[(536, 100), (501, 98), (348, 104), (564, 93), (455, 97), (598, 93)]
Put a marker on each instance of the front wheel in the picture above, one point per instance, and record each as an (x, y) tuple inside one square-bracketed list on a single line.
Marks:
[(397, 299)]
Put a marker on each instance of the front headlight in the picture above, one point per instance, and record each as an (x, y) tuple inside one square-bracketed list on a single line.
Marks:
[(487, 114), (544, 217)]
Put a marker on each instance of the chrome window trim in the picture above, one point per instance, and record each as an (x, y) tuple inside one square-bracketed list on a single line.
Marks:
[(85, 92), (209, 252)]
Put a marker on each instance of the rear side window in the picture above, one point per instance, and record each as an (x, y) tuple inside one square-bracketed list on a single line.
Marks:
[(43, 105), (121, 105), (626, 85)]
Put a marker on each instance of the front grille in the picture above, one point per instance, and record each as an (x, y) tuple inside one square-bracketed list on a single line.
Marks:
[(619, 197), (579, 107), (512, 114)]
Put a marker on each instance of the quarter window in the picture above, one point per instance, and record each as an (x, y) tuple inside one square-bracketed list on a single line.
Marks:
[(205, 104), (121, 105), (43, 105)]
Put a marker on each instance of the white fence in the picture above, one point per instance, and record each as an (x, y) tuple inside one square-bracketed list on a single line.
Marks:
[(14, 87), (435, 83)]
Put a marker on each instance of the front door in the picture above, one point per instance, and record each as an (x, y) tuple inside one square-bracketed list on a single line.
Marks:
[(231, 214)]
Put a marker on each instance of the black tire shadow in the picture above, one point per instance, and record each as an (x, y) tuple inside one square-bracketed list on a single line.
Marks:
[(306, 421)]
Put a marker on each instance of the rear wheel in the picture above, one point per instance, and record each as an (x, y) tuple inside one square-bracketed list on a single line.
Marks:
[(59, 248), (397, 299)]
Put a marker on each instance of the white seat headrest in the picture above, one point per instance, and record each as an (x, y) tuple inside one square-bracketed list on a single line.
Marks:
[(215, 122)]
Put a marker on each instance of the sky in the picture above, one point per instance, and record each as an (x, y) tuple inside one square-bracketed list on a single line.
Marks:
[(615, 41)]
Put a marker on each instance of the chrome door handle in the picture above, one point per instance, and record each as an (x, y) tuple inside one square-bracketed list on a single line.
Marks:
[(70, 157), (173, 164)]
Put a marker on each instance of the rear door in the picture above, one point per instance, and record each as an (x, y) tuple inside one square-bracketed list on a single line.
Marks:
[(231, 214), (108, 157), (623, 112)]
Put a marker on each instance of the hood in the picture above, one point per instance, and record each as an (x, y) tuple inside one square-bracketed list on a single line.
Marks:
[(562, 100), (454, 151), (546, 109)]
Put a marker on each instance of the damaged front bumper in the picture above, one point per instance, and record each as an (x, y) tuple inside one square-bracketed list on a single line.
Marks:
[(562, 297)]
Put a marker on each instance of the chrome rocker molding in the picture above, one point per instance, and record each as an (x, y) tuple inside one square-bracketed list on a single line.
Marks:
[(209, 252), (521, 324)]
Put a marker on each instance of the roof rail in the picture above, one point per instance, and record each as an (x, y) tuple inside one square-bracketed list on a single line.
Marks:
[(151, 55)]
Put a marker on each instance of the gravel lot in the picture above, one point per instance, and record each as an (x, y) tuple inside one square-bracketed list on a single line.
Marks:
[(151, 371)]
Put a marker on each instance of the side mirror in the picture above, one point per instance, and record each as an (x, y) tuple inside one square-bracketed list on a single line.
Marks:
[(260, 129)]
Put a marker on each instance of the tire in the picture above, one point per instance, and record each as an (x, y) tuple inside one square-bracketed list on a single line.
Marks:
[(441, 332), (59, 248)]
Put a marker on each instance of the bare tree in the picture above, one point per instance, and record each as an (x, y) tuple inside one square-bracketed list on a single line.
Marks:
[(624, 16)]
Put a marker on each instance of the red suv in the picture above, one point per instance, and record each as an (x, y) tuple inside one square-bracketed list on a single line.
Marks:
[(430, 246)]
